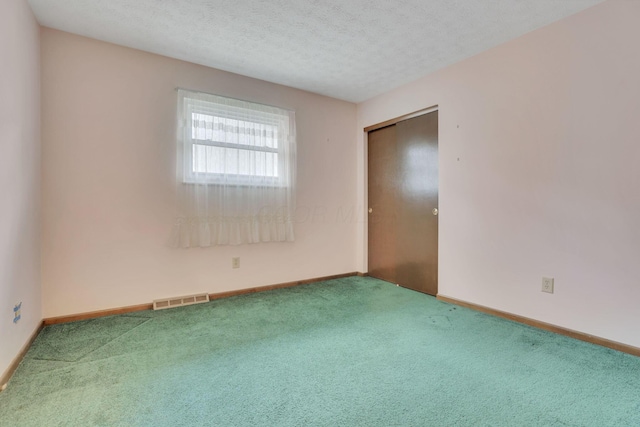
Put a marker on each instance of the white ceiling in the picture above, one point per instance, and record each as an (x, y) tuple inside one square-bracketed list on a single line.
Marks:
[(346, 49)]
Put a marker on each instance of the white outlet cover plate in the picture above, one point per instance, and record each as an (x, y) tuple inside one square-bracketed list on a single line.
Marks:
[(547, 284)]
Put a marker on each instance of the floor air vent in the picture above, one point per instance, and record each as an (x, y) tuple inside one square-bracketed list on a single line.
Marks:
[(161, 304)]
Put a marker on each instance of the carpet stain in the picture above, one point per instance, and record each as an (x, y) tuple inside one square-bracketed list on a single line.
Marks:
[(440, 321)]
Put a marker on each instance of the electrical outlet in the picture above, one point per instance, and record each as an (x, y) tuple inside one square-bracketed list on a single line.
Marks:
[(17, 312), (547, 284), (235, 262)]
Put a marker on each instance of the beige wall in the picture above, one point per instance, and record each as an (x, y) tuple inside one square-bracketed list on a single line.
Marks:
[(109, 117), (19, 177), (539, 150)]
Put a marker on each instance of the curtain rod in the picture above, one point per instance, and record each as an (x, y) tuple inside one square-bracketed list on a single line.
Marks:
[(235, 99)]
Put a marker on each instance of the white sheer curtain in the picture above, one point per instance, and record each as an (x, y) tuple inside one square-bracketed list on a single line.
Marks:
[(236, 172)]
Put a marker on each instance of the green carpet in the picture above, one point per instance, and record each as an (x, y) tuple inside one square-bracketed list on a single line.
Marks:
[(347, 352)]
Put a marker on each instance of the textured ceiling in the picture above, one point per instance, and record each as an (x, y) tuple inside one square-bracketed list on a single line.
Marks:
[(347, 49)]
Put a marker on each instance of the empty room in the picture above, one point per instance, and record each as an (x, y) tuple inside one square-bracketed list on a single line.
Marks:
[(303, 213)]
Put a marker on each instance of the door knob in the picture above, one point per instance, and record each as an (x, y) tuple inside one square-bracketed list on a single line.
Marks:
[(435, 211), (370, 210)]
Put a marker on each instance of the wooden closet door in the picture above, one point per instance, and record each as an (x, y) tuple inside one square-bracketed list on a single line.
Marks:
[(383, 176), (403, 202)]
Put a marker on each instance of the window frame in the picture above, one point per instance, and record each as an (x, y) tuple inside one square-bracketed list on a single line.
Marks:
[(193, 106)]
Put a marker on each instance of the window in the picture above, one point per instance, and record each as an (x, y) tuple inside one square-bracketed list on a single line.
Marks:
[(236, 170), (235, 142)]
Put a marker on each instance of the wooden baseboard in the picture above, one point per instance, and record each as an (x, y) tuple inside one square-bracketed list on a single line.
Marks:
[(625, 348), (278, 286), (362, 274), (6, 376), (142, 307), (94, 314)]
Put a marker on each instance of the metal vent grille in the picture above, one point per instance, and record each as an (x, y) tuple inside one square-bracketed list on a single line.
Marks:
[(161, 304)]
